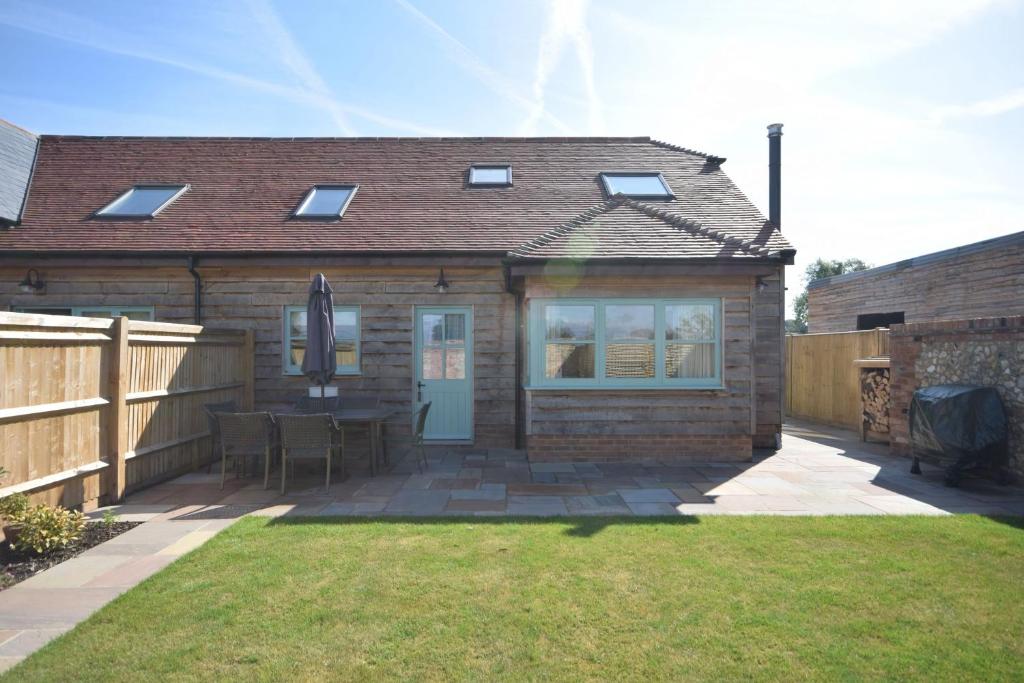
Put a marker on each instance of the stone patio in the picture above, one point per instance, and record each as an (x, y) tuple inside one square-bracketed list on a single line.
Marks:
[(817, 472)]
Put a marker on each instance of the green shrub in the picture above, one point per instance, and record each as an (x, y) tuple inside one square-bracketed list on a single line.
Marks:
[(44, 529), (14, 507)]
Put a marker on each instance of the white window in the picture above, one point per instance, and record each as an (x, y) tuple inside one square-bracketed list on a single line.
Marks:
[(142, 201), (346, 339), (638, 185), (590, 343), (493, 175), (325, 201)]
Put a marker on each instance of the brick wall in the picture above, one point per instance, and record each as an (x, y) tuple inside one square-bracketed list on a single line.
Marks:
[(974, 281), (984, 351)]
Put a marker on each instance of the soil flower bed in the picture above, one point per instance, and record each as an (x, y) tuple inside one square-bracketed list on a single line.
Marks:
[(16, 566)]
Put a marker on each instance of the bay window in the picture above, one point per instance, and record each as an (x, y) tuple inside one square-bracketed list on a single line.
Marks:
[(633, 343)]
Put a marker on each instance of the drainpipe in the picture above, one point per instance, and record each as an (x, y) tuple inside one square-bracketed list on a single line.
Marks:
[(507, 271), (198, 305)]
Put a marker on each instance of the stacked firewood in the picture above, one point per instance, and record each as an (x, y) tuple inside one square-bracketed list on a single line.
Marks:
[(874, 393)]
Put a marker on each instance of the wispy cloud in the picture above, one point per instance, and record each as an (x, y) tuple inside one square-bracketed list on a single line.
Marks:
[(461, 55), (296, 61), (994, 106), (566, 23), (314, 92)]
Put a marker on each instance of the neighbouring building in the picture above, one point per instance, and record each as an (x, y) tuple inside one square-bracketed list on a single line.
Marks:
[(984, 279), (583, 298)]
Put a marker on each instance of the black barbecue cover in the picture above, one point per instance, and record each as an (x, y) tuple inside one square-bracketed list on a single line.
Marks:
[(953, 419)]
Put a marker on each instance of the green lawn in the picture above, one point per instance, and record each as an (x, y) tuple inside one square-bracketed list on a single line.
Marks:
[(776, 598)]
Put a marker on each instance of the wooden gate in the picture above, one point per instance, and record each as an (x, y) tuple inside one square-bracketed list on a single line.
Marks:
[(822, 383)]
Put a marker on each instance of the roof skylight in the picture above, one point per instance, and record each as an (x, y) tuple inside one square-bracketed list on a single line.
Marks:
[(142, 201), (639, 185), (325, 201), (494, 175)]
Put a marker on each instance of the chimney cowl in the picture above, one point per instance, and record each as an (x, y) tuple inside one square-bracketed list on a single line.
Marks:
[(774, 129)]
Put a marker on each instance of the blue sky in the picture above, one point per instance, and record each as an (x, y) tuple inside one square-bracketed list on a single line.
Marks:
[(904, 121)]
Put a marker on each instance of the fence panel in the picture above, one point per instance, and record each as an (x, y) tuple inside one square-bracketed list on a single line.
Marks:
[(822, 383), (93, 407)]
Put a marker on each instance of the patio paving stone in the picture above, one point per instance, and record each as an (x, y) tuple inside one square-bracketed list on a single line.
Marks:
[(415, 502), (648, 496), (456, 483), (541, 506), (547, 490), (469, 505), (495, 493), (651, 509)]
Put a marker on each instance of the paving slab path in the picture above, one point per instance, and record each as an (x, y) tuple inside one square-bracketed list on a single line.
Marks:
[(818, 471)]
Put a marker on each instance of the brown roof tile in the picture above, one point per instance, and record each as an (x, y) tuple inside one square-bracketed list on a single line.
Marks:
[(412, 195)]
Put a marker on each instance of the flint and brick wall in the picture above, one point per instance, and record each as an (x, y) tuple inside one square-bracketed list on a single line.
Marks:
[(986, 351), (972, 282)]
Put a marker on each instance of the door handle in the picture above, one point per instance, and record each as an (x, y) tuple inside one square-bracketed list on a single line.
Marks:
[(419, 391)]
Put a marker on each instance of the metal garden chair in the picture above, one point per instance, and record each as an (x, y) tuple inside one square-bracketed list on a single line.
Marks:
[(243, 435), (211, 410), (414, 442), (312, 436)]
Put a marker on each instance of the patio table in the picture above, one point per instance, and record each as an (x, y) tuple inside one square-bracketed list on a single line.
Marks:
[(374, 418)]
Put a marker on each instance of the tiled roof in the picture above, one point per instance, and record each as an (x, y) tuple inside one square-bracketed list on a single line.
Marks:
[(626, 228), (412, 193), (17, 151)]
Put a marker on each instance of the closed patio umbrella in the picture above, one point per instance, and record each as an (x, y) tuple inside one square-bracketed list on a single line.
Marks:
[(320, 362)]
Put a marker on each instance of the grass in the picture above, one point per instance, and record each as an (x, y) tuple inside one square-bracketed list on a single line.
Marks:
[(764, 598)]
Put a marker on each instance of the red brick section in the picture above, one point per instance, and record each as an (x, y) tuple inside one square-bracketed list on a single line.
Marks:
[(905, 345), (601, 448), (412, 193)]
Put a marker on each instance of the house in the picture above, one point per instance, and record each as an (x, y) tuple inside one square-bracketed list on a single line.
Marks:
[(583, 298), (984, 279)]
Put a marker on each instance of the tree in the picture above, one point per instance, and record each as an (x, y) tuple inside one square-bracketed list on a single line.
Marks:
[(819, 269)]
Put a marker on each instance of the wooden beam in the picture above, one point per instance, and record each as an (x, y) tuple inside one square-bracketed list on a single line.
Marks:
[(40, 320), (164, 445), (66, 337), (55, 478), (249, 361), (139, 396), (62, 407), (117, 426)]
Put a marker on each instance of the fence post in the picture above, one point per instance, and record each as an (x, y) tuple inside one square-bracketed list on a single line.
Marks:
[(117, 429), (249, 350)]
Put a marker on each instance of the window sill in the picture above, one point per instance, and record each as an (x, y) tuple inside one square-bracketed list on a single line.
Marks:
[(624, 388)]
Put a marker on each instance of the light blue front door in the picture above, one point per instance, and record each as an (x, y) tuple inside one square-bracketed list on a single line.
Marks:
[(444, 370)]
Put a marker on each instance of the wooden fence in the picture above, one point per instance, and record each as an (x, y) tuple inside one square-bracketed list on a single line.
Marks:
[(91, 408), (822, 383)]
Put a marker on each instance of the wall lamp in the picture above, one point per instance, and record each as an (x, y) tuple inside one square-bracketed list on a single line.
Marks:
[(441, 285), (32, 284), (760, 284)]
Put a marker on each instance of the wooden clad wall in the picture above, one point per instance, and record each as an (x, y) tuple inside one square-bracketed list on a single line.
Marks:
[(253, 297), (975, 283), (822, 383), (92, 406)]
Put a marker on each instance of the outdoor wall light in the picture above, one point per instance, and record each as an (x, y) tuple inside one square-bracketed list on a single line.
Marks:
[(32, 284), (441, 285), (761, 284)]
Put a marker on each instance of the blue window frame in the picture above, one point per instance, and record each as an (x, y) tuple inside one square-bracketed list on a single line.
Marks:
[(346, 334), (131, 312), (626, 343)]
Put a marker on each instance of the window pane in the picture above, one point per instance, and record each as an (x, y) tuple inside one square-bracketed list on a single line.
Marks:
[(298, 350), (629, 321), (569, 322), (455, 364), (569, 361), (345, 353), (690, 321), (455, 328), (346, 325), (297, 324), (432, 362), (479, 175), (325, 201), (648, 185), (433, 328), (105, 313), (690, 360), (629, 360), (140, 201)]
